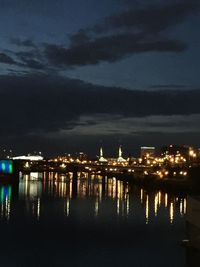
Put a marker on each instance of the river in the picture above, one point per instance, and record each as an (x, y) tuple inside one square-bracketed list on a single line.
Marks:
[(48, 220)]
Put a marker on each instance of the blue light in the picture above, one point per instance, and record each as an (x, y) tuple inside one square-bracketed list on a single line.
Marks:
[(6, 166)]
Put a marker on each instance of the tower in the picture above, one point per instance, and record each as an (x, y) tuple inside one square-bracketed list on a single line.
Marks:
[(120, 158), (101, 158), (120, 152), (101, 152)]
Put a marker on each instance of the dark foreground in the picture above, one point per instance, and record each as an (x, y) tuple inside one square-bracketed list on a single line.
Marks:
[(46, 223)]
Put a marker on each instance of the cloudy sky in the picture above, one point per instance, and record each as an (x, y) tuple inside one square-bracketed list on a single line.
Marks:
[(77, 74)]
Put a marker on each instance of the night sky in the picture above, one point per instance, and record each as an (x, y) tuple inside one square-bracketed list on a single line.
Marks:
[(77, 74)]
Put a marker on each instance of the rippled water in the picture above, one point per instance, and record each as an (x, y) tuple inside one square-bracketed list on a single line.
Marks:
[(50, 220)]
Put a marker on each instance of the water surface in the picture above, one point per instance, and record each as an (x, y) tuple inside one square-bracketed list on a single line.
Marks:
[(51, 219)]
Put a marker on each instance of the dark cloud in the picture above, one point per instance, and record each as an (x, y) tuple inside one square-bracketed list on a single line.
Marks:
[(33, 64), (33, 53), (25, 42), (81, 37), (32, 59), (25, 59), (152, 18), (6, 59), (42, 107), (110, 124), (44, 104), (108, 49), (140, 29), (169, 86)]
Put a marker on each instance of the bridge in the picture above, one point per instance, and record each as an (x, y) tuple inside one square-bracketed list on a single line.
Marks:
[(10, 169), (95, 167)]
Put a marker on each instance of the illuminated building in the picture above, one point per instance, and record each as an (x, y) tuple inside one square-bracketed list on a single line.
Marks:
[(81, 156), (174, 150), (147, 151), (177, 154), (31, 158)]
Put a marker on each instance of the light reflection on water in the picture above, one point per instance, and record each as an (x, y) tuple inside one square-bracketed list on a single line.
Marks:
[(98, 190), (122, 217), (5, 201)]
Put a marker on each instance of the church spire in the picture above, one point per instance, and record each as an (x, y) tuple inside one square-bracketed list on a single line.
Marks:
[(120, 158), (120, 151), (101, 152), (101, 158)]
